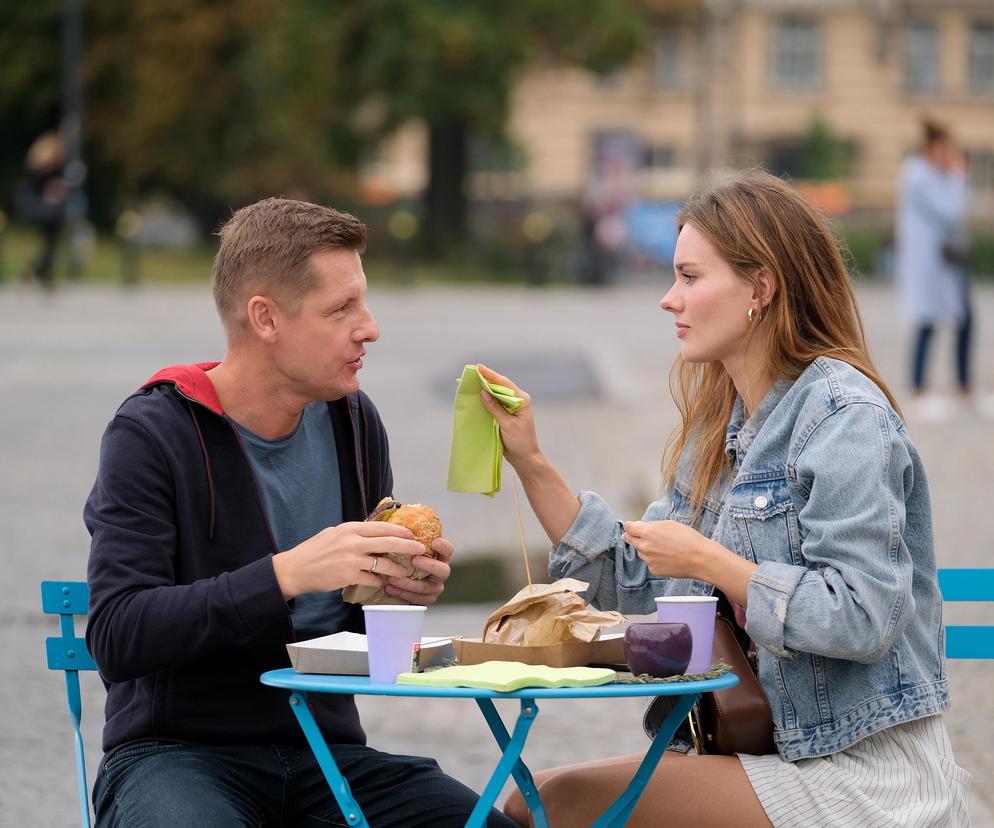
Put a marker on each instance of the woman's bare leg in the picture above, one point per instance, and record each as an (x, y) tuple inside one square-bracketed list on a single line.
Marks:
[(684, 790)]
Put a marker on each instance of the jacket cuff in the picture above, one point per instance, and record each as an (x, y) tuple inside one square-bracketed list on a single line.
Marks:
[(771, 587), (255, 594), (591, 533)]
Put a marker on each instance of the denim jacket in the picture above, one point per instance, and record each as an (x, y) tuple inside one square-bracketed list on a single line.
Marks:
[(829, 497)]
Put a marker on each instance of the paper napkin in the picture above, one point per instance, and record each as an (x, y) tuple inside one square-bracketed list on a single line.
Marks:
[(505, 676), (477, 453)]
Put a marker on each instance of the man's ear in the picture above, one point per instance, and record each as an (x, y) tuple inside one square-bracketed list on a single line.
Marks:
[(767, 287), (262, 316)]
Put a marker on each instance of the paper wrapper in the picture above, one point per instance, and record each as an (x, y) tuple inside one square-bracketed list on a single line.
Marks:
[(548, 614), (361, 594)]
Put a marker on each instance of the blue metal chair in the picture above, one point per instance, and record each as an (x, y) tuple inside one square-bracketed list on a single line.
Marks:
[(968, 585), (69, 653)]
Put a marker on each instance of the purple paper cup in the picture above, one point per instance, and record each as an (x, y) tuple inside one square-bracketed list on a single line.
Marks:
[(697, 612), (392, 630)]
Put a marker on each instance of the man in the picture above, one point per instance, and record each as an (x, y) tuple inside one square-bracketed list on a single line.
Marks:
[(226, 518)]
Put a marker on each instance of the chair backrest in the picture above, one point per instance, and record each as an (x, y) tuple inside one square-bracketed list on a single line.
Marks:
[(68, 653), (968, 585)]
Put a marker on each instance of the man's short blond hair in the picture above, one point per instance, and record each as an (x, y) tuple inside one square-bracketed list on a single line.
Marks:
[(265, 249)]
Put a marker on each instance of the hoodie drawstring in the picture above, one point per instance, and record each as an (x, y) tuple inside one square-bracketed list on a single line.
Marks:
[(207, 466)]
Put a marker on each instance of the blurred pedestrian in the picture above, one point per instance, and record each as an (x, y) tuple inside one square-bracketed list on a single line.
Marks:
[(40, 201), (931, 258)]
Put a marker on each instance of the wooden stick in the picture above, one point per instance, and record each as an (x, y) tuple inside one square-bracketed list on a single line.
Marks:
[(521, 527)]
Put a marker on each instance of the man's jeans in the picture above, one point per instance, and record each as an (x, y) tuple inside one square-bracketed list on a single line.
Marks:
[(172, 784)]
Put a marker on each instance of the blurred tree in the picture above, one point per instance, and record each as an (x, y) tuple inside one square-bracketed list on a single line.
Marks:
[(824, 155), (453, 64), (29, 83), (219, 103)]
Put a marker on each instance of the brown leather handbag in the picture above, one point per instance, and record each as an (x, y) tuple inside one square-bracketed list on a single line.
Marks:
[(736, 719)]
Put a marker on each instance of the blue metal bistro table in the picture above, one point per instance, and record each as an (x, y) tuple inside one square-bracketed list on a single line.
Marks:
[(511, 745)]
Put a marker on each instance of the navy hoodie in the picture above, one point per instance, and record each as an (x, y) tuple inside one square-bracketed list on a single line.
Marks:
[(185, 609)]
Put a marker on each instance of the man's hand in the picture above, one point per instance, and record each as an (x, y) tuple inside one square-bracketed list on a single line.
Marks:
[(342, 555), (427, 590)]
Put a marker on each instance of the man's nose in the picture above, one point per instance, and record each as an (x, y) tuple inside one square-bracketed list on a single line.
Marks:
[(369, 330)]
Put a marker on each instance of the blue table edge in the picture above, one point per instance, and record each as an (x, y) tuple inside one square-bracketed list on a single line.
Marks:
[(289, 679)]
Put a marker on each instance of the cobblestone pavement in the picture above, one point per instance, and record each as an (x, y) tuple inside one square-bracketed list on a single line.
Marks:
[(66, 362)]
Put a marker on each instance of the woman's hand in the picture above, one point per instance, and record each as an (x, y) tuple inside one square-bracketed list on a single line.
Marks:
[(669, 548), (517, 430), (555, 506), (674, 550)]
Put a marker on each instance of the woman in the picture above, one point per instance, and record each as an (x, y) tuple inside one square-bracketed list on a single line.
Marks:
[(931, 258), (791, 485)]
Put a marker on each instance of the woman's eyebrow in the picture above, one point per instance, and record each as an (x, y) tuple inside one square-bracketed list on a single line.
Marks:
[(685, 265)]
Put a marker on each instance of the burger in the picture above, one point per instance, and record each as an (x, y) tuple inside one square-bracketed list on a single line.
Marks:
[(423, 523)]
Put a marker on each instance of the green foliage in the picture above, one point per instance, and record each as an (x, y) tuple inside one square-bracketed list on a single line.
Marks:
[(220, 103), (29, 82), (982, 252), (824, 156), (865, 242)]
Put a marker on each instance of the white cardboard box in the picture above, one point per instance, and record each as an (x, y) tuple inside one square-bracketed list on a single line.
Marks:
[(345, 654)]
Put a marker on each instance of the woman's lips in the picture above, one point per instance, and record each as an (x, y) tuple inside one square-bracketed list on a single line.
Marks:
[(681, 330)]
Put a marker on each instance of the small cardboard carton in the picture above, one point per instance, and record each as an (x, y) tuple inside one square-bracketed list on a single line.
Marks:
[(346, 654), (608, 649)]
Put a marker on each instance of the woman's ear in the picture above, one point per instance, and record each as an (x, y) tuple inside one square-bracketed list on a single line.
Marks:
[(262, 317), (767, 286)]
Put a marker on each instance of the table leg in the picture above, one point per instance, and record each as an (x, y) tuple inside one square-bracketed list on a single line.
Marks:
[(339, 786), (509, 763), (522, 776), (618, 812)]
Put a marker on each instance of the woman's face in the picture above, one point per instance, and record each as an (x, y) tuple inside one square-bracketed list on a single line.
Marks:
[(709, 302)]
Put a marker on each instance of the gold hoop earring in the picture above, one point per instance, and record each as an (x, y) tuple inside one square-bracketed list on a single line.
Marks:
[(751, 315)]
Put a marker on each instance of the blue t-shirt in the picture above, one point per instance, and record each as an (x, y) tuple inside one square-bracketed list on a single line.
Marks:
[(301, 489)]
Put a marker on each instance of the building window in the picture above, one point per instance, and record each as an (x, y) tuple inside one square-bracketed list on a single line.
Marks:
[(982, 57), (796, 58), (921, 56), (667, 59), (655, 157)]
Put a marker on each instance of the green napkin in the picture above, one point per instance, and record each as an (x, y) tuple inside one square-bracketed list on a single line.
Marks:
[(477, 453), (505, 676)]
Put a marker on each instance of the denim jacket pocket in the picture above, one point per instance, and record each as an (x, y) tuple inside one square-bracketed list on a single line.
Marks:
[(764, 522)]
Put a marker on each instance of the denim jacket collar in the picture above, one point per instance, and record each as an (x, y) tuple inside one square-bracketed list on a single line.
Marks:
[(741, 431)]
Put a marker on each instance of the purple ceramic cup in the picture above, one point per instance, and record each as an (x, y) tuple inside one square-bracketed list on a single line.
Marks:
[(697, 612), (659, 650)]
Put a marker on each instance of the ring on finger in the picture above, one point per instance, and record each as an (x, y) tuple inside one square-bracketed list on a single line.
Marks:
[(373, 567)]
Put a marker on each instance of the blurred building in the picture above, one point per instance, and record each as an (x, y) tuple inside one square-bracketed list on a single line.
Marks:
[(745, 82)]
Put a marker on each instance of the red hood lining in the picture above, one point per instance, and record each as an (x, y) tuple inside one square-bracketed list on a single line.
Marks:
[(191, 381)]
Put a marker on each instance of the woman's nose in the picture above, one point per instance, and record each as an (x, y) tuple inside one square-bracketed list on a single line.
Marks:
[(669, 300)]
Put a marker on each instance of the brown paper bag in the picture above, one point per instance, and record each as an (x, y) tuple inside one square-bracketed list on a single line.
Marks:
[(544, 614)]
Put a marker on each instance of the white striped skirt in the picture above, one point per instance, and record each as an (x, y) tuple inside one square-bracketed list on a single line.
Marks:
[(903, 776)]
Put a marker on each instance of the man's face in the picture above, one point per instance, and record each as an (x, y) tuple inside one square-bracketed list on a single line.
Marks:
[(320, 349)]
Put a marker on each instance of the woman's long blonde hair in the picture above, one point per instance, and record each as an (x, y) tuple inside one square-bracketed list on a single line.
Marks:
[(754, 220)]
